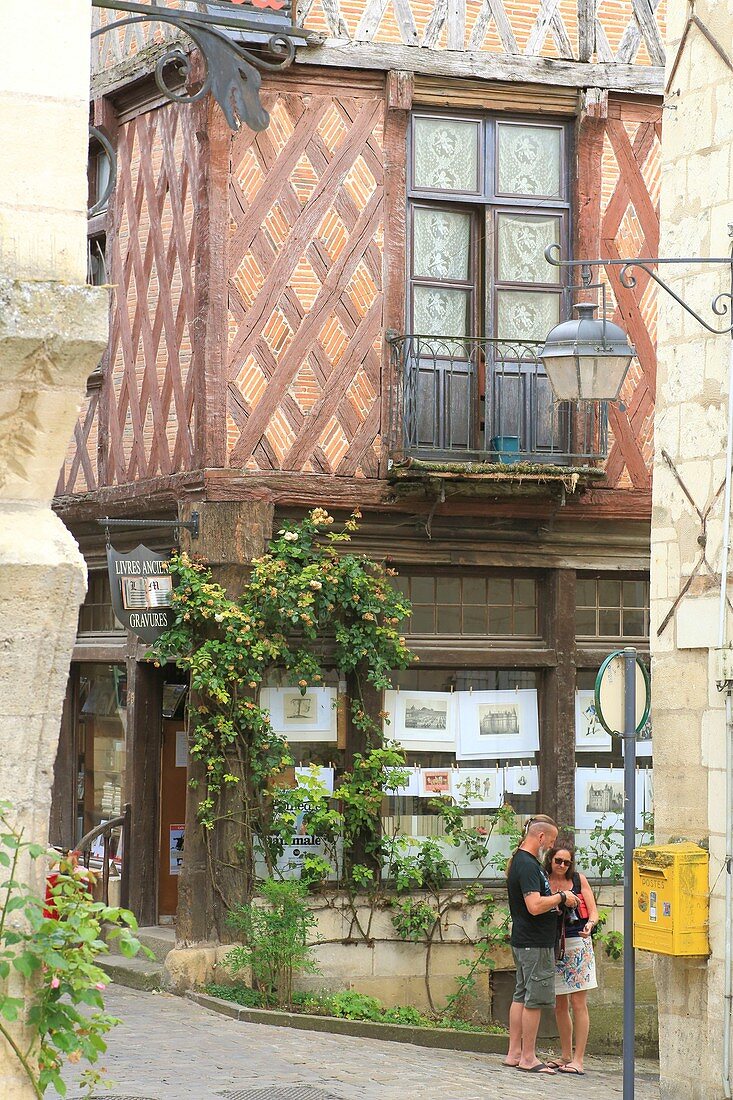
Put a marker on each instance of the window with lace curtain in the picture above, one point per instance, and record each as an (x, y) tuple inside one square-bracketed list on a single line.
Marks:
[(487, 195)]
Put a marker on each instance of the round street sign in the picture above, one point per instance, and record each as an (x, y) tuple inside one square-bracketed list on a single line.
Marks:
[(610, 690)]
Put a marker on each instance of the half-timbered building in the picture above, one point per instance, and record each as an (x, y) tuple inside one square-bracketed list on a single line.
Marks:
[(345, 309)]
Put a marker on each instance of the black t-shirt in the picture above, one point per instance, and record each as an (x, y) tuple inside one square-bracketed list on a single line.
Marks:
[(526, 876)]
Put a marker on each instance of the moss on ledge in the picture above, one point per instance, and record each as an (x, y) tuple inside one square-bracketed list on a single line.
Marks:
[(419, 476)]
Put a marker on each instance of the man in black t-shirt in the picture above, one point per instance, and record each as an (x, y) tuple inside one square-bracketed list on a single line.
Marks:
[(534, 911)]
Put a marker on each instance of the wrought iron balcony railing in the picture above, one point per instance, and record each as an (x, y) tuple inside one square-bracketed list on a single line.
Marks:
[(482, 400)]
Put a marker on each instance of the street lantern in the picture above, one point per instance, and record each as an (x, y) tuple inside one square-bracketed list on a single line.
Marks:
[(586, 358)]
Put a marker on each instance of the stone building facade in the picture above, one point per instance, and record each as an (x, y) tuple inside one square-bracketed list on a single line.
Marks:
[(692, 800)]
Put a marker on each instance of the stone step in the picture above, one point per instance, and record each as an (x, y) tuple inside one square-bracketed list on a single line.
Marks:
[(158, 939), (138, 973)]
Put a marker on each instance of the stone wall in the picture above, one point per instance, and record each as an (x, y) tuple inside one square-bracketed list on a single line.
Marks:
[(690, 437), (52, 331), (393, 970)]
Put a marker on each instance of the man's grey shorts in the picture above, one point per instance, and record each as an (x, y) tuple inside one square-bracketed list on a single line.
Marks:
[(535, 976)]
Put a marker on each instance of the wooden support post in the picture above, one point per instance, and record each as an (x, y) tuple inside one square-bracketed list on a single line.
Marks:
[(399, 93), (356, 742), (557, 746), (231, 534), (144, 731), (210, 324), (590, 131)]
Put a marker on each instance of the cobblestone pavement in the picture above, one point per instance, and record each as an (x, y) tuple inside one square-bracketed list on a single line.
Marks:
[(170, 1049)]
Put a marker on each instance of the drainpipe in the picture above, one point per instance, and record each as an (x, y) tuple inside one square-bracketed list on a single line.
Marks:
[(722, 638)]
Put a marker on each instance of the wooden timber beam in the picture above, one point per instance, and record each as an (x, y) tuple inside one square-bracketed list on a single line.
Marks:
[(161, 495), (637, 79)]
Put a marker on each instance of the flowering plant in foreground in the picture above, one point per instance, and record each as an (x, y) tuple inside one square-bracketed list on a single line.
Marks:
[(50, 948)]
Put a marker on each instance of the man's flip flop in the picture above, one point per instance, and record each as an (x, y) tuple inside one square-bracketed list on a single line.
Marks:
[(539, 1068), (572, 1069), (554, 1064)]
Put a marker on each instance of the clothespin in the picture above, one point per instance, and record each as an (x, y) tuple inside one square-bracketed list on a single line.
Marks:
[(470, 689), (452, 688)]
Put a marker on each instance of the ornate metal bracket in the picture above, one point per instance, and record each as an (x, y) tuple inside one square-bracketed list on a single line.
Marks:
[(231, 70), (721, 304)]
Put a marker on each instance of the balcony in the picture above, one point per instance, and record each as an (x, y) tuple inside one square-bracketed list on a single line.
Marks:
[(486, 401)]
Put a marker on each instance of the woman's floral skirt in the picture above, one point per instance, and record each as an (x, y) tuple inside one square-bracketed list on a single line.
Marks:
[(577, 971)]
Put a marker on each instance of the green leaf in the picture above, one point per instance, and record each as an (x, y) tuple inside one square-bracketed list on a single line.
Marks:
[(26, 964), (10, 1007)]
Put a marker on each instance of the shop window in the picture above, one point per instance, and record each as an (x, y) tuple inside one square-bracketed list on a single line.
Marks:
[(611, 607), (101, 732), (471, 605), (512, 780), (95, 614)]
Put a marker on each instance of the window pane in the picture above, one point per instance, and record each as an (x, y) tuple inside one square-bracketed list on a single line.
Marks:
[(634, 624), (449, 620), (635, 594), (609, 593), (474, 619), (585, 593), (526, 314), (449, 590), (440, 311), (609, 624), (442, 244), (101, 725), (422, 589), (474, 590), (529, 160), (525, 620), (525, 593), (423, 619), (500, 620), (446, 155), (500, 590), (585, 623), (522, 241)]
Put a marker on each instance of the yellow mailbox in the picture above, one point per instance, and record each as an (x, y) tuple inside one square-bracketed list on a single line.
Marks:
[(671, 899)]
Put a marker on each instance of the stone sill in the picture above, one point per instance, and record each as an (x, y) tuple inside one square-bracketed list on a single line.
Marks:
[(363, 1029)]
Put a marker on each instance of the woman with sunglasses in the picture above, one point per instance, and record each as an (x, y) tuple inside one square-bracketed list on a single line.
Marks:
[(575, 969)]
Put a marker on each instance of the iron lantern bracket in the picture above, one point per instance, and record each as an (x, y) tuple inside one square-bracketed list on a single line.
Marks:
[(721, 305)]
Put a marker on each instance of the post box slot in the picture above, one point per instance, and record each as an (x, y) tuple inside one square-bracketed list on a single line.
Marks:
[(652, 872)]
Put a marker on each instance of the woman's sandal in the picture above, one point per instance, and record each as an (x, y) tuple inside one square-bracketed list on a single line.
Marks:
[(541, 1067), (555, 1063)]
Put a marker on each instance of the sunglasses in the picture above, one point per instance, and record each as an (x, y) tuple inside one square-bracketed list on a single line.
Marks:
[(561, 862)]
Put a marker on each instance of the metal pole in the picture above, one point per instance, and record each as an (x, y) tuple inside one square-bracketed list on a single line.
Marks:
[(629, 844)]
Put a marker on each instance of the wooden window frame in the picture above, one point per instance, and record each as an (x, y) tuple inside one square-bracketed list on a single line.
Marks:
[(588, 640)]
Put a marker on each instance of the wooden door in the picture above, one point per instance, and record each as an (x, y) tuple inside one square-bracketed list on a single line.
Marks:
[(172, 814)]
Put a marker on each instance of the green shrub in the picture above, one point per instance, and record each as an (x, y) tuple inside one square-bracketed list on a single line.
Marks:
[(275, 936)]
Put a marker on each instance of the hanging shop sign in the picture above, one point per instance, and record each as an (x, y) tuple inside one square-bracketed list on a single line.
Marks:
[(141, 587)]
